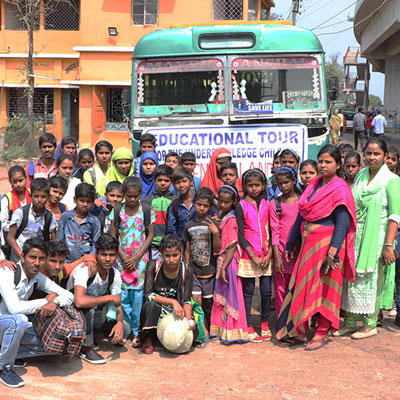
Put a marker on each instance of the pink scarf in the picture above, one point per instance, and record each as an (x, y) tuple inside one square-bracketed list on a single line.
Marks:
[(334, 194)]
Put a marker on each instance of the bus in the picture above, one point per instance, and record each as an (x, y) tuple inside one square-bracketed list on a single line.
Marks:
[(251, 88)]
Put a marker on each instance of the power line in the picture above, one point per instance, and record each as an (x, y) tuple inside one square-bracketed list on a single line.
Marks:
[(336, 23), (330, 19), (318, 9), (332, 33)]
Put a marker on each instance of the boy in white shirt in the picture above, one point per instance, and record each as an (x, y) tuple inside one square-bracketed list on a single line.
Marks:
[(99, 299)]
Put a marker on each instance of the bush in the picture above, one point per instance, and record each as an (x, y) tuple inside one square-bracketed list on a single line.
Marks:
[(18, 142)]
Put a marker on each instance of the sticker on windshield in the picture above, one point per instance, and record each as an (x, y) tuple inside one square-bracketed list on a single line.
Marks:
[(243, 106)]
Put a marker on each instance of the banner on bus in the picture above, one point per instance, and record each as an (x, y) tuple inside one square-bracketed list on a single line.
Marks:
[(251, 146)]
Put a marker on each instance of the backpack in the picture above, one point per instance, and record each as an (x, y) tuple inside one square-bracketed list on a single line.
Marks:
[(111, 274), (25, 216), (31, 169), (146, 214), (278, 204), (17, 279), (62, 333), (175, 207)]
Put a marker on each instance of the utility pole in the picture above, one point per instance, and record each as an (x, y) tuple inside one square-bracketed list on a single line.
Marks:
[(295, 10)]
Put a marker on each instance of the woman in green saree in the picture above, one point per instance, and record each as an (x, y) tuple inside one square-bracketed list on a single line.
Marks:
[(376, 193)]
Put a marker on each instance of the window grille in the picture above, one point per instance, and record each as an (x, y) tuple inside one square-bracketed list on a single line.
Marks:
[(117, 108), (18, 103), (15, 13), (62, 15), (145, 12), (228, 9)]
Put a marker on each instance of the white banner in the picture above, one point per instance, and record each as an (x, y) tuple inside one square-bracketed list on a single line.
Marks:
[(251, 146)]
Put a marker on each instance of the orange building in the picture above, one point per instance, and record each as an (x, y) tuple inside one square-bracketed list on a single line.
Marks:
[(83, 58)]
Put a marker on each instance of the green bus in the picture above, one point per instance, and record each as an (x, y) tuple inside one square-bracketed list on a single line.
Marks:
[(251, 88)]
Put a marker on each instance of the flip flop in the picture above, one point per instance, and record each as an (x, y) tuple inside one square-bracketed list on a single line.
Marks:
[(322, 342), (204, 344), (291, 342)]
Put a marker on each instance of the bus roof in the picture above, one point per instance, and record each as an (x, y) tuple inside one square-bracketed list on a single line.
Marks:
[(274, 39)]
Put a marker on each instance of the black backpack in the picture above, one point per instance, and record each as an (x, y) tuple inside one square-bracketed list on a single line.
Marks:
[(111, 274), (25, 216)]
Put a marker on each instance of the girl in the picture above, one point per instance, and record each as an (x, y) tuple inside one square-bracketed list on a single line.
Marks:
[(287, 158), (18, 197), (283, 214), (228, 316), (85, 161), (252, 215), (352, 166), (168, 288), (121, 167), (392, 159), (65, 168), (128, 224), (325, 227), (308, 171), (212, 177), (148, 164), (376, 193), (103, 151)]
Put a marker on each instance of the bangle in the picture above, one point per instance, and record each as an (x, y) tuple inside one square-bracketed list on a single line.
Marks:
[(388, 244), (191, 323)]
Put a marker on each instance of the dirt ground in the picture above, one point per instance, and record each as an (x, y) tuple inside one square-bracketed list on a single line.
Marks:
[(344, 369)]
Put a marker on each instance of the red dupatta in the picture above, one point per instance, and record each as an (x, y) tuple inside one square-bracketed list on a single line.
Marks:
[(211, 179), (334, 194)]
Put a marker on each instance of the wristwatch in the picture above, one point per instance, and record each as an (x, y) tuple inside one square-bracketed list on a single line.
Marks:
[(56, 302)]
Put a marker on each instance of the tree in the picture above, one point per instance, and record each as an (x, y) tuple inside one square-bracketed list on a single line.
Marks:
[(374, 101), (334, 69), (28, 13)]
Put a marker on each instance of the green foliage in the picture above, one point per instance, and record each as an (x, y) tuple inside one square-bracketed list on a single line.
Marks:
[(374, 101), (19, 143)]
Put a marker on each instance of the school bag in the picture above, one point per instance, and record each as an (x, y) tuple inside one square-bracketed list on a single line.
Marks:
[(62, 333), (25, 216), (278, 204), (146, 214)]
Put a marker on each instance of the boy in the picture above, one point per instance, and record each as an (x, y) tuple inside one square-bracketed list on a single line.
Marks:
[(113, 196), (202, 237), (32, 220), (58, 188), (159, 201), (94, 296), (229, 173), (15, 305), (172, 159), (79, 227), (45, 166), (188, 160), (147, 142), (181, 209), (344, 149)]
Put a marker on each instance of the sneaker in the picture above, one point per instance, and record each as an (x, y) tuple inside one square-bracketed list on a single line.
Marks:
[(253, 336), (365, 333), (10, 378), (393, 312), (92, 357), (266, 334), (19, 363)]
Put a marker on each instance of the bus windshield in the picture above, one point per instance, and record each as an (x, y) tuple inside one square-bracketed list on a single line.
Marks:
[(275, 83), (183, 82)]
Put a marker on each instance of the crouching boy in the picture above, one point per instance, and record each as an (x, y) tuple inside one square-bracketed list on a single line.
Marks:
[(99, 299), (18, 337)]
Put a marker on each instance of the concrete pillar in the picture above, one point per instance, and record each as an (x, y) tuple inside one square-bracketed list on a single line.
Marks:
[(392, 83)]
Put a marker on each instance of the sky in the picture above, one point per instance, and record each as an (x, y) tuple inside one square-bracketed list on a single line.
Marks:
[(320, 12)]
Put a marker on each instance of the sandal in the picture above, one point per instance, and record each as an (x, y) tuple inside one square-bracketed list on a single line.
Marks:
[(147, 349), (204, 344), (321, 342)]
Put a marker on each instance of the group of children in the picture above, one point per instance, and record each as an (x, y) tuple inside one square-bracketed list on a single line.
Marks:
[(233, 230)]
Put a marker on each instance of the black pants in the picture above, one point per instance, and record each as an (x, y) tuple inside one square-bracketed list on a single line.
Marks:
[(363, 139)]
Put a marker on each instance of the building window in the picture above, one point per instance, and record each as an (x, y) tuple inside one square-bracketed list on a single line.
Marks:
[(145, 12), (62, 16), (18, 103), (15, 15), (118, 108), (228, 9), (252, 10)]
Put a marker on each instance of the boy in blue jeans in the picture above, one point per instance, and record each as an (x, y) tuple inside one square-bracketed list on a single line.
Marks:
[(79, 227)]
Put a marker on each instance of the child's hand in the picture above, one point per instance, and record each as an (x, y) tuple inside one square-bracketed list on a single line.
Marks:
[(278, 265), (222, 276), (258, 260), (92, 267), (216, 218), (266, 260), (131, 262), (290, 254), (99, 203), (179, 311), (211, 226)]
